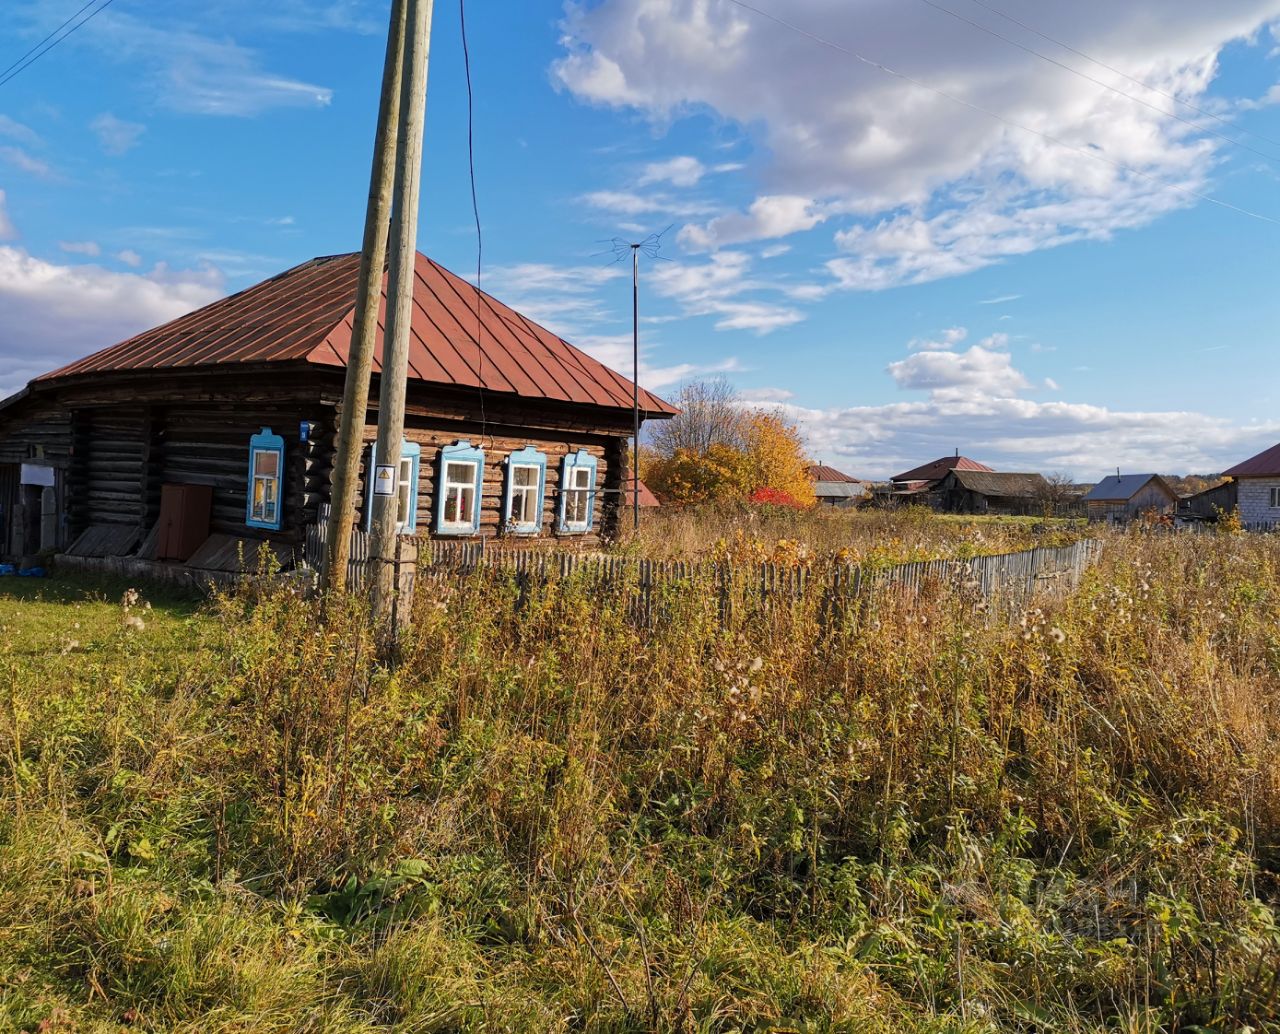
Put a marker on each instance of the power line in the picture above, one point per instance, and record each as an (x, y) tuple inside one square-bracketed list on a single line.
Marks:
[(839, 48), (55, 32), (25, 62), (1098, 82), (1125, 75)]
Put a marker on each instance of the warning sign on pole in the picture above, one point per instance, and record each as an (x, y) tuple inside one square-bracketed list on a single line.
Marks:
[(384, 481)]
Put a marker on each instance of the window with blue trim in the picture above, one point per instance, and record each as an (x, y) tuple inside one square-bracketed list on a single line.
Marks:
[(266, 480), (406, 486), (525, 490), (577, 492), (458, 489)]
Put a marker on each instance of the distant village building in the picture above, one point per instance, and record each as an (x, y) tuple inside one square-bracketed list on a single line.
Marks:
[(987, 491), (1124, 496), (1259, 487), (835, 488), (1210, 503), (917, 484), (648, 501), (199, 440)]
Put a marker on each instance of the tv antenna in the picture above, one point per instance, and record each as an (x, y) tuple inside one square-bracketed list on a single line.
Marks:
[(620, 247)]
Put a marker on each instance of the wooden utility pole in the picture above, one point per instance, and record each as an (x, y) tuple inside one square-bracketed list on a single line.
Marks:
[(395, 352), (364, 332), (635, 387)]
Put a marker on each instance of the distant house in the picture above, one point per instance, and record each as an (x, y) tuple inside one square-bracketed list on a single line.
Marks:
[(1259, 491), (917, 485), (199, 440), (987, 491), (835, 488), (1124, 496), (1208, 504), (648, 501)]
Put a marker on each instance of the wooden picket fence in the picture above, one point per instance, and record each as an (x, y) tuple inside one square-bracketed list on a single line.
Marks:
[(1010, 578)]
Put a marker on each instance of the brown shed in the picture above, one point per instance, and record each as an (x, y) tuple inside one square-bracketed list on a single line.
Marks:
[(510, 429)]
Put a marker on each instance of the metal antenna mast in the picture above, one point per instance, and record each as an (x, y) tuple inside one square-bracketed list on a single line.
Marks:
[(650, 247)]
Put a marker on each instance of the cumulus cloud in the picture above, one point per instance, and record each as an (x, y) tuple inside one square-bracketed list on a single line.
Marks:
[(55, 313), (1082, 440), (978, 370), (767, 218), (115, 135), (90, 248), (129, 257), (923, 187)]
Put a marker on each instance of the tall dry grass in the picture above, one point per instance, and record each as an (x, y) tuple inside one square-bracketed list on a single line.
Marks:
[(902, 814), (865, 535)]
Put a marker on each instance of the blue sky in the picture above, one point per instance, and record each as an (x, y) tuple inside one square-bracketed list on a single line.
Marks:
[(905, 274)]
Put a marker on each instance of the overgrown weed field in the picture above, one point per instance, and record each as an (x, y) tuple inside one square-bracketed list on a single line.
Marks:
[(907, 815), (867, 536)]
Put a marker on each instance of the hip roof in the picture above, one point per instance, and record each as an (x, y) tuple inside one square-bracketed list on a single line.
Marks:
[(459, 336), (937, 469)]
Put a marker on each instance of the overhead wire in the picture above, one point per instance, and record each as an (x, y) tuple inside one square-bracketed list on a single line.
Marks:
[(26, 61), (1012, 123), (1098, 82), (37, 46), (1125, 75)]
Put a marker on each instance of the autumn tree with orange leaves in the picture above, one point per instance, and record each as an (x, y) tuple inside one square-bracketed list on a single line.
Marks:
[(716, 450)]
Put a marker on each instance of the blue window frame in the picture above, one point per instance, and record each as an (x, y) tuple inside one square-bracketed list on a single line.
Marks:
[(406, 487), (524, 491), (458, 489), (577, 507), (266, 481)]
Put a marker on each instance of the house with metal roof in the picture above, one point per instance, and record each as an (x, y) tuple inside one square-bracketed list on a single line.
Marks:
[(833, 487), (1125, 496), (215, 432), (989, 491), (1258, 494)]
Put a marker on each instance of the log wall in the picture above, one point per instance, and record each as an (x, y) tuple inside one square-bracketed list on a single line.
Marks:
[(432, 435)]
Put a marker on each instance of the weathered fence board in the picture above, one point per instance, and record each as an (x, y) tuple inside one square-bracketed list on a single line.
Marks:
[(1010, 577)]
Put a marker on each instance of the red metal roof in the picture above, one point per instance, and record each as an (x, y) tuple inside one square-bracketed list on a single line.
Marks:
[(937, 470), (306, 313), (647, 498), (1264, 465), (819, 472)]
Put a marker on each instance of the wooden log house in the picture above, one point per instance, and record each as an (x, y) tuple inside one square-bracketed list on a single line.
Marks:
[(198, 440)]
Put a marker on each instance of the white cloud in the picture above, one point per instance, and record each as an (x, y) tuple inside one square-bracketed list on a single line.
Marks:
[(767, 218), (1082, 440), (615, 351), (129, 257), (15, 130), (23, 161), (978, 370), (566, 299), (1000, 299), (7, 230), (196, 66), (681, 171), (717, 288), (55, 313), (631, 203), (926, 187), (90, 248), (115, 135), (949, 338)]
